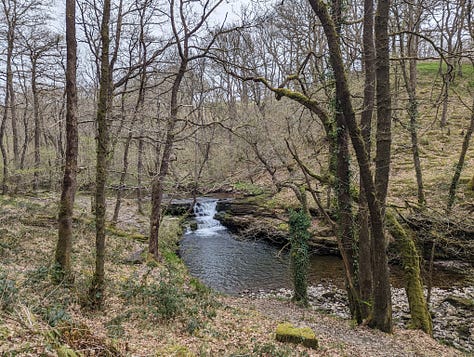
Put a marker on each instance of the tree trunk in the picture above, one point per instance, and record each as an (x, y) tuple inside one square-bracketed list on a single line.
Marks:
[(420, 316), (3, 147), (36, 117), (159, 179), (96, 292), (140, 174), (411, 83), (123, 177), (66, 204), (382, 295), (382, 314), (365, 260), (11, 92), (344, 209)]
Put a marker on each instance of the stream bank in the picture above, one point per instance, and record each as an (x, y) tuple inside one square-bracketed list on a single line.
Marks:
[(247, 266)]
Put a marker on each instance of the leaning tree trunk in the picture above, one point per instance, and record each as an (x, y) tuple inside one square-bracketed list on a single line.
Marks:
[(96, 292), (382, 312), (66, 204), (420, 316)]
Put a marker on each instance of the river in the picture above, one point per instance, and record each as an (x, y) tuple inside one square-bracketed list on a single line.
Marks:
[(231, 265)]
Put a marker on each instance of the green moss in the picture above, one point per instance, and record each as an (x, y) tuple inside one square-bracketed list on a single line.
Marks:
[(121, 233), (248, 188), (284, 227), (420, 316), (286, 332), (460, 302)]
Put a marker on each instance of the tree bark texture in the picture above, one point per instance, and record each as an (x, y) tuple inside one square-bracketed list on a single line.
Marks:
[(68, 192), (365, 256), (420, 316), (382, 296), (96, 293), (382, 313)]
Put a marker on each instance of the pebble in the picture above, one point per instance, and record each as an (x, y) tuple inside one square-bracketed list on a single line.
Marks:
[(454, 326)]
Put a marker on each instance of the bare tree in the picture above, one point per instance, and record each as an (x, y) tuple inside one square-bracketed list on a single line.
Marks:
[(185, 31), (66, 204), (382, 311), (96, 292)]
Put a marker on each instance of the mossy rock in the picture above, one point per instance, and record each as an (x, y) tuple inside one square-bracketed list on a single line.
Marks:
[(286, 332), (193, 226)]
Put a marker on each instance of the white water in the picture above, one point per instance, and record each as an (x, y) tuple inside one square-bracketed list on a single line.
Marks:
[(204, 212)]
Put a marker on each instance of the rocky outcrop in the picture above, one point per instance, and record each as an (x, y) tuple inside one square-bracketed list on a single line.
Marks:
[(178, 207), (251, 219)]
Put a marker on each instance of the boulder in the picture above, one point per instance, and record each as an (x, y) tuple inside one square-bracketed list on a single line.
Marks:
[(286, 332)]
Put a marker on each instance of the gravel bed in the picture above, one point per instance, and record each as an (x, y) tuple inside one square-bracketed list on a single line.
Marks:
[(452, 312)]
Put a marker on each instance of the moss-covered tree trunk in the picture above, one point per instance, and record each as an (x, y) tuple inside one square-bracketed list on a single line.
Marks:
[(299, 223), (420, 316)]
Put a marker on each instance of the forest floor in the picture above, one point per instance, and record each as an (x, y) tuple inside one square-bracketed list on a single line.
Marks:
[(150, 309)]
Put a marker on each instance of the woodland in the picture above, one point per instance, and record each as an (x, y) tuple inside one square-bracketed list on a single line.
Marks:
[(353, 118)]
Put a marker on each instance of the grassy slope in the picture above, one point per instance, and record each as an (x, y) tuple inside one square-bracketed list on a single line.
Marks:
[(439, 148)]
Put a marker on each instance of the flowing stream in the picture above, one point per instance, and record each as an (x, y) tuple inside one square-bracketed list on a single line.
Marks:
[(229, 265)]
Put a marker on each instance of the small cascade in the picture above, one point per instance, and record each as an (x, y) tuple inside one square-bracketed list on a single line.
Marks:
[(204, 211)]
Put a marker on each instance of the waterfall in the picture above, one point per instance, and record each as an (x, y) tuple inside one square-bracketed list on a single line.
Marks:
[(204, 211)]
